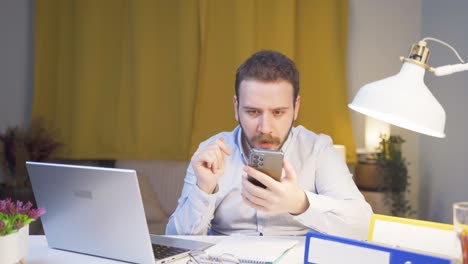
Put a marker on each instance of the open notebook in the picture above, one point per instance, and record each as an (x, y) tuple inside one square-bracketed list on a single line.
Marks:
[(251, 249)]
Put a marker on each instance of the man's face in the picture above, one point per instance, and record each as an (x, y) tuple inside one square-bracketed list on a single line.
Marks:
[(265, 111)]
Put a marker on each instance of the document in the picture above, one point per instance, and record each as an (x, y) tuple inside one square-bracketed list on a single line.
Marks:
[(252, 249)]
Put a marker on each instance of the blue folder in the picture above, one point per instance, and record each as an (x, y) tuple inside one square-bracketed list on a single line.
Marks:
[(325, 249)]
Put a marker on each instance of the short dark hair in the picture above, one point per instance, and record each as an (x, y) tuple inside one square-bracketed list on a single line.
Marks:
[(268, 66)]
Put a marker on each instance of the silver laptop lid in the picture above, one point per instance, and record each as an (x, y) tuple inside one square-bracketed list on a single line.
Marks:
[(91, 210)]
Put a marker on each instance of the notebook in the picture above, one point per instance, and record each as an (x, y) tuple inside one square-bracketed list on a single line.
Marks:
[(99, 211), (251, 249)]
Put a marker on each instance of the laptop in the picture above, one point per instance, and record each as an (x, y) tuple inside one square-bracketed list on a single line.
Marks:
[(99, 211)]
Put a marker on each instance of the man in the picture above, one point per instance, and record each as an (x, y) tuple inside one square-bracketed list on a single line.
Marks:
[(316, 191)]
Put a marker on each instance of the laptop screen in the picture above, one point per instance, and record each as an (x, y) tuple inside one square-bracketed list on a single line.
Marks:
[(92, 210)]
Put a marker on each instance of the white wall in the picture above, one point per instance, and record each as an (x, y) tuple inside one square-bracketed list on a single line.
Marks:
[(16, 63), (379, 32), (444, 162)]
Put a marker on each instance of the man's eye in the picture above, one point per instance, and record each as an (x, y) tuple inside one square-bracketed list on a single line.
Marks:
[(278, 113), (252, 112)]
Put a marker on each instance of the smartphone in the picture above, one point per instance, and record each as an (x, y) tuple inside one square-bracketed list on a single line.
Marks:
[(267, 161)]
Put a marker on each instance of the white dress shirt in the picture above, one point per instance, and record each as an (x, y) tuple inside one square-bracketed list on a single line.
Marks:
[(336, 205)]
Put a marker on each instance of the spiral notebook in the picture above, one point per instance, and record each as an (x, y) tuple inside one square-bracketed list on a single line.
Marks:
[(252, 249)]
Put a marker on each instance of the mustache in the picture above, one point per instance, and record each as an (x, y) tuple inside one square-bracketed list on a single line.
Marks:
[(266, 138)]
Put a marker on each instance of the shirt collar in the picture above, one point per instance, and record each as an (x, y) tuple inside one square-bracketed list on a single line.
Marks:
[(239, 145)]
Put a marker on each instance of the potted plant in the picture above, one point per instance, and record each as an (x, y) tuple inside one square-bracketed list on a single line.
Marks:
[(394, 171), (18, 145), (15, 218)]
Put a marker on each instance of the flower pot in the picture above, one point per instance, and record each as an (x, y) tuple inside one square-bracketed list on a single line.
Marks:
[(14, 247), (368, 176)]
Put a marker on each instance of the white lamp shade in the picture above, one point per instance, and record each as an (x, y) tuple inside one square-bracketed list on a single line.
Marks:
[(403, 100)]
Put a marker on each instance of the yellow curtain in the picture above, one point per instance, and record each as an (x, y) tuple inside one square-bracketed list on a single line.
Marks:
[(137, 79)]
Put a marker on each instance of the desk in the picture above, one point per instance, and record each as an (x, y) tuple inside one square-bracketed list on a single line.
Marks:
[(40, 253)]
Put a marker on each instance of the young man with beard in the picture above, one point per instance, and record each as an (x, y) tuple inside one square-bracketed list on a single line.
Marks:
[(316, 191)]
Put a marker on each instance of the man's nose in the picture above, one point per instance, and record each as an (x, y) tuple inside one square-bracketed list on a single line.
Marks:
[(265, 124)]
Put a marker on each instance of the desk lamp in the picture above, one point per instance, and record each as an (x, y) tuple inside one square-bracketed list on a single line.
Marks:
[(404, 99)]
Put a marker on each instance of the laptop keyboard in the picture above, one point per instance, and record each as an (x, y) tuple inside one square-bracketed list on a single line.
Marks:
[(161, 252)]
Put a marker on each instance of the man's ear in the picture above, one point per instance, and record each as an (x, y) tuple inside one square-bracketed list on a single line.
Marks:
[(236, 107), (297, 106)]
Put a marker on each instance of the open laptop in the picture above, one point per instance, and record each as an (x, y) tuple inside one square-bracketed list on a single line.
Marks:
[(99, 211)]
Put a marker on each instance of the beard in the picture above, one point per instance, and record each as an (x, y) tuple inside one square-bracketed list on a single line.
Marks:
[(265, 138)]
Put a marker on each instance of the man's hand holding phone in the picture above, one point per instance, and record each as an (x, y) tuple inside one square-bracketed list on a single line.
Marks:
[(208, 164), (279, 197)]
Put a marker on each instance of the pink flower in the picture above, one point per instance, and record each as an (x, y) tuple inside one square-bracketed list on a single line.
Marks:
[(15, 215), (23, 209), (2, 206), (7, 207), (36, 213)]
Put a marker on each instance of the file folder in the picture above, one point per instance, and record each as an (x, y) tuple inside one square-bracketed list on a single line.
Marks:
[(415, 234), (328, 249)]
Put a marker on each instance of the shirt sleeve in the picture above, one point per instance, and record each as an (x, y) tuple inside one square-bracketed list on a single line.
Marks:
[(194, 211), (337, 207)]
